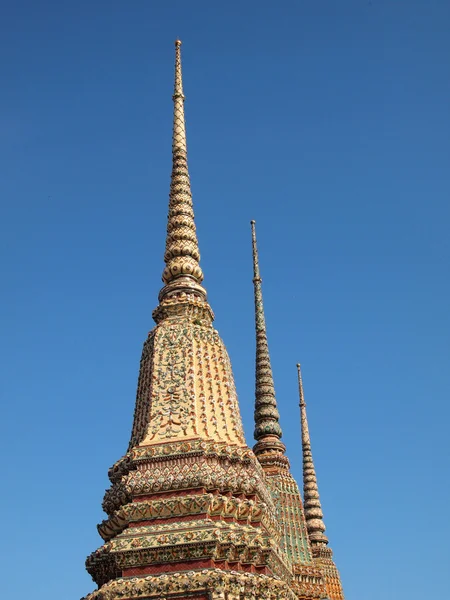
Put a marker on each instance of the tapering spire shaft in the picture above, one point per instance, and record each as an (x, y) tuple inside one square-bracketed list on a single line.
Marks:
[(179, 125), (311, 499), (182, 256), (266, 412)]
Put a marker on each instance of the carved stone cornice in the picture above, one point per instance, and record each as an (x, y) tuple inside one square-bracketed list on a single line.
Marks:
[(187, 541), (179, 507), (184, 305), (212, 581), (236, 472)]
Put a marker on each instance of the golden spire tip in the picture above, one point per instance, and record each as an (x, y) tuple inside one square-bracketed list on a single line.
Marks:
[(182, 256)]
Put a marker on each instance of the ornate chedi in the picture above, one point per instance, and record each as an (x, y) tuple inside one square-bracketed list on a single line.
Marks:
[(323, 556), (189, 514), (270, 452), (192, 512)]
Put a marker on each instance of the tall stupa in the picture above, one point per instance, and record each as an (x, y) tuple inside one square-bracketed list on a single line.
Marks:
[(192, 512)]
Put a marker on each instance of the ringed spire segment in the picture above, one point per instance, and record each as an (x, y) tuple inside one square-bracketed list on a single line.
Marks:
[(311, 499), (267, 417), (182, 256)]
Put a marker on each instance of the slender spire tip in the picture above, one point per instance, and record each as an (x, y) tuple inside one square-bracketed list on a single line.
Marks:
[(311, 498), (256, 274), (300, 386), (267, 425), (182, 272)]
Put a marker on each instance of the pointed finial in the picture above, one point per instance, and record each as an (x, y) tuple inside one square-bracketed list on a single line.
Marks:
[(178, 86), (182, 256), (311, 499), (300, 387), (267, 427)]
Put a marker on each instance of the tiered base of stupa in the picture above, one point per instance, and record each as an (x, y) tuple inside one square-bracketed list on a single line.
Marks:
[(193, 518), (191, 513)]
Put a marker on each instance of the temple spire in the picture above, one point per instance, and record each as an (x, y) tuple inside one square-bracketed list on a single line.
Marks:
[(182, 271), (267, 428), (311, 499)]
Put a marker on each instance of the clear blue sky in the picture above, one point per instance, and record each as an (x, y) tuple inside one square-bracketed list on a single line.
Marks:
[(328, 123)]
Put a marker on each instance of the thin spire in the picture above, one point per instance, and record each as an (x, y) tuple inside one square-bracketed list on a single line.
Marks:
[(267, 427), (182, 256), (311, 499)]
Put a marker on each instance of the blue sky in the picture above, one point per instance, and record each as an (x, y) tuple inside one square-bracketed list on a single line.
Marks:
[(325, 121)]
